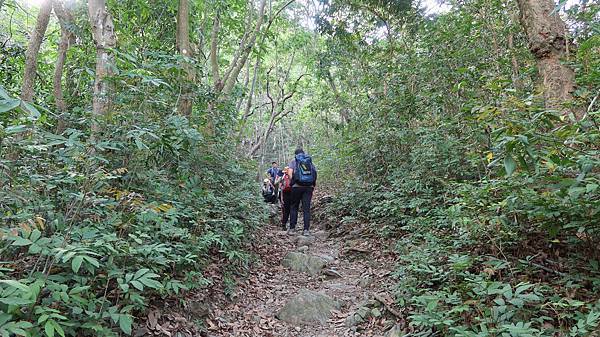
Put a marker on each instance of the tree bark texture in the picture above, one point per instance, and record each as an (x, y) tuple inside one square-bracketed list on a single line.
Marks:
[(546, 33), (184, 48), (66, 39), (103, 31), (31, 55)]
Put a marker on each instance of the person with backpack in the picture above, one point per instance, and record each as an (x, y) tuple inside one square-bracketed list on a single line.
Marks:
[(274, 172), (304, 179), (285, 184)]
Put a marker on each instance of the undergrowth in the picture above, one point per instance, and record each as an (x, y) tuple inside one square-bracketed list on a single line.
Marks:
[(93, 231), (511, 253)]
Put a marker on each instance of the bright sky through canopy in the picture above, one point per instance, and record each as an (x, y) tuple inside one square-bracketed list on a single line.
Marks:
[(434, 6)]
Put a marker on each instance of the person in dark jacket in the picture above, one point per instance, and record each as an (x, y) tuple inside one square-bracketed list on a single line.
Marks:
[(301, 191), (274, 172)]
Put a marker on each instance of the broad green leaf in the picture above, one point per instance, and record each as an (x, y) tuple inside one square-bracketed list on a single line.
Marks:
[(59, 329), (35, 235), (43, 318), (78, 290), (16, 301), (9, 104), (521, 288), (32, 110), (16, 284), (49, 328), (92, 261), (151, 283), (76, 263), (140, 272), (138, 285), (21, 242), (125, 322), (3, 93), (4, 317), (509, 165), (9, 130)]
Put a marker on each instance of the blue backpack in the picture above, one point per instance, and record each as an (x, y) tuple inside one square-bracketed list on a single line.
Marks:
[(304, 174)]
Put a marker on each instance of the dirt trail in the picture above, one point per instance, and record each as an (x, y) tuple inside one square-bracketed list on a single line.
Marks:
[(363, 264)]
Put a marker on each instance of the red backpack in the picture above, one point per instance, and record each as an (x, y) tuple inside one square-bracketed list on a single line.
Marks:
[(286, 183)]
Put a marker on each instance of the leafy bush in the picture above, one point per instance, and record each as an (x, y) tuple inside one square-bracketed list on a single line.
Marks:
[(94, 230)]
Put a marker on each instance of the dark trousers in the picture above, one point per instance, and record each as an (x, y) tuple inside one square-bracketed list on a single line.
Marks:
[(286, 198), (304, 194)]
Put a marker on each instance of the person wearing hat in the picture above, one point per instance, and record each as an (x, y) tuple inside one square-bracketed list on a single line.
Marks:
[(268, 191)]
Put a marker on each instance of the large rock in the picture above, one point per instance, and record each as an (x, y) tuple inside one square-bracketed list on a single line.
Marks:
[(308, 307), (304, 263)]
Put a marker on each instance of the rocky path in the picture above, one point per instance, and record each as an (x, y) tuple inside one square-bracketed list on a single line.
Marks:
[(317, 286)]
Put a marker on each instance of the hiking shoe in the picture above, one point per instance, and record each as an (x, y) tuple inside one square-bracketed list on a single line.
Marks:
[(291, 231), (306, 232)]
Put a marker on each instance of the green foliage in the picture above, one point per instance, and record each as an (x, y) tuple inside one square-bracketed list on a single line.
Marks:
[(493, 200), (94, 229), (102, 228)]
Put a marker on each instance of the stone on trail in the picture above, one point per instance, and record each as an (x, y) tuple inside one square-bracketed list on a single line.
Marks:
[(302, 240), (304, 263), (396, 331), (308, 308), (332, 273), (321, 235), (326, 257), (302, 249)]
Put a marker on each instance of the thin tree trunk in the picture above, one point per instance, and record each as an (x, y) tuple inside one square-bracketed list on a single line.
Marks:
[(515, 64), (31, 55), (246, 82), (214, 49), (245, 52), (546, 33), (66, 39), (344, 116), (103, 31), (186, 100), (252, 88)]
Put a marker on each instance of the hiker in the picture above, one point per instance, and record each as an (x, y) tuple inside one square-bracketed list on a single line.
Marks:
[(268, 191), (285, 186), (304, 180), (274, 172)]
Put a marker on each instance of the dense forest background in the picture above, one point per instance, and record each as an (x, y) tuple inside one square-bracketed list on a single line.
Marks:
[(132, 134)]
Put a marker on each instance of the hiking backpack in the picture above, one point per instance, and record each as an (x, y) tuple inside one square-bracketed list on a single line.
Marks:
[(286, 183), (304, 174)]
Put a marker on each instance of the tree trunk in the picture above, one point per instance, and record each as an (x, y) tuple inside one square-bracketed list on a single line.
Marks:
[(214, 49), (103, 31), (33, 49), (514, 63), (344, 115), (546, 33), (245, 51), (66, 39), (186, 100)]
